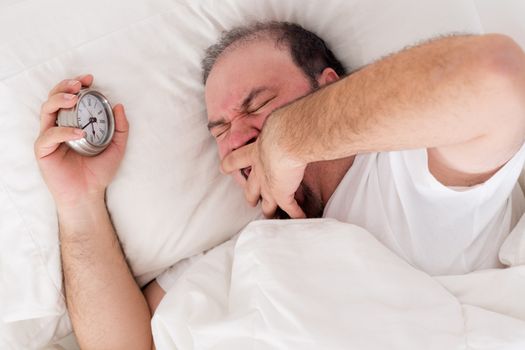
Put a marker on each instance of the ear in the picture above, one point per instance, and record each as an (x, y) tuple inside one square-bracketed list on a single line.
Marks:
[(327, 76)]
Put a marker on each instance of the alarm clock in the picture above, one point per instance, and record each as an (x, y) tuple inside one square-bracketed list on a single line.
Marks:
[(94, 115)]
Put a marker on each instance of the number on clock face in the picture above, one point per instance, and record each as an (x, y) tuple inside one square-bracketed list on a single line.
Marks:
[(93, 119)]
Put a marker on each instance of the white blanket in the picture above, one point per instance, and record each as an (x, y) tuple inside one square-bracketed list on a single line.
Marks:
[(322, 284)]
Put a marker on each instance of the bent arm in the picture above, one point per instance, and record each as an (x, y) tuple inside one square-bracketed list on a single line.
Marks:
[(107, 308), (463, 97)]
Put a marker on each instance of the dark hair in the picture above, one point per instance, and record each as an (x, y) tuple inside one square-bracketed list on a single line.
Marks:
[(309, 52)]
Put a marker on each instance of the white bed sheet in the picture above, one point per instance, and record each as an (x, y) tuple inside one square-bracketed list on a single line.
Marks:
[(322, 284)]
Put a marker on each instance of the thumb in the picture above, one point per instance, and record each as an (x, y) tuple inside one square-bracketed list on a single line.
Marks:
[(120, 137)]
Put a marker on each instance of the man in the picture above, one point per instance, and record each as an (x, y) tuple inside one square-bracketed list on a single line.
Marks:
[(455, 105)]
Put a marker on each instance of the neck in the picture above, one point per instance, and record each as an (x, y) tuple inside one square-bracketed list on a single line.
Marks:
[(324, 177), (335, 173)]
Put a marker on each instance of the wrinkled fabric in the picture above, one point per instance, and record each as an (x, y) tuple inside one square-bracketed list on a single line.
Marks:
[(439, 229), (323, 284)]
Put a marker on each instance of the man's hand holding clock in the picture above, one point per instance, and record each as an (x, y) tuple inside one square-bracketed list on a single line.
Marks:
[(70, 176), (105, 304)]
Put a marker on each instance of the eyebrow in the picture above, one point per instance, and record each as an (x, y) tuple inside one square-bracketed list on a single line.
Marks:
[(246, 102)]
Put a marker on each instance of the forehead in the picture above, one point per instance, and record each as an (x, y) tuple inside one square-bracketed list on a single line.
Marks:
[(241, 69)]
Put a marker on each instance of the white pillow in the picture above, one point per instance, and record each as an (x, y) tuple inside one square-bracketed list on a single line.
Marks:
[(168, 200), (503, 16)]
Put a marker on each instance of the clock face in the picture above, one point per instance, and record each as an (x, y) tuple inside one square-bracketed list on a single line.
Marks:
[(92, 117)]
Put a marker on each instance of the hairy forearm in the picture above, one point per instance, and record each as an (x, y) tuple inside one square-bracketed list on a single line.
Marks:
[(107, 308), (445, 92)]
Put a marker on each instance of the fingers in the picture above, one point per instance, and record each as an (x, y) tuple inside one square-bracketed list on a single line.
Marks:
[(252, 189), (268, 207), (72, 85), (48, 113), (238, 159), (85, 79), (253, 193), (120, 137), (63, 95), (273, 196), (292, 208), (51, 139)]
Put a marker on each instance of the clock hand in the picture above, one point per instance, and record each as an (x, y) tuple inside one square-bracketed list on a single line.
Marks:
[(90, 122)]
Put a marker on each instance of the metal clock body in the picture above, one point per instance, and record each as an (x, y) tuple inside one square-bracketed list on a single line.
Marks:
[(94, 115)]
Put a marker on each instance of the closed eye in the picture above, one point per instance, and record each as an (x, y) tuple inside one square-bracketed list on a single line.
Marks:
[(220, 129), (255, 110)]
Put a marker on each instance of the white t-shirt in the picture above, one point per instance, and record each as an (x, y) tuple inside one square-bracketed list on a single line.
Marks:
[(438, 229)]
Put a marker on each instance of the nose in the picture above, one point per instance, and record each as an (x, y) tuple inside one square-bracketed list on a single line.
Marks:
[(241, 133)]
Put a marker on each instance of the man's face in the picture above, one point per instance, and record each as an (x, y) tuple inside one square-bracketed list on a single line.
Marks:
[(245, 85)]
